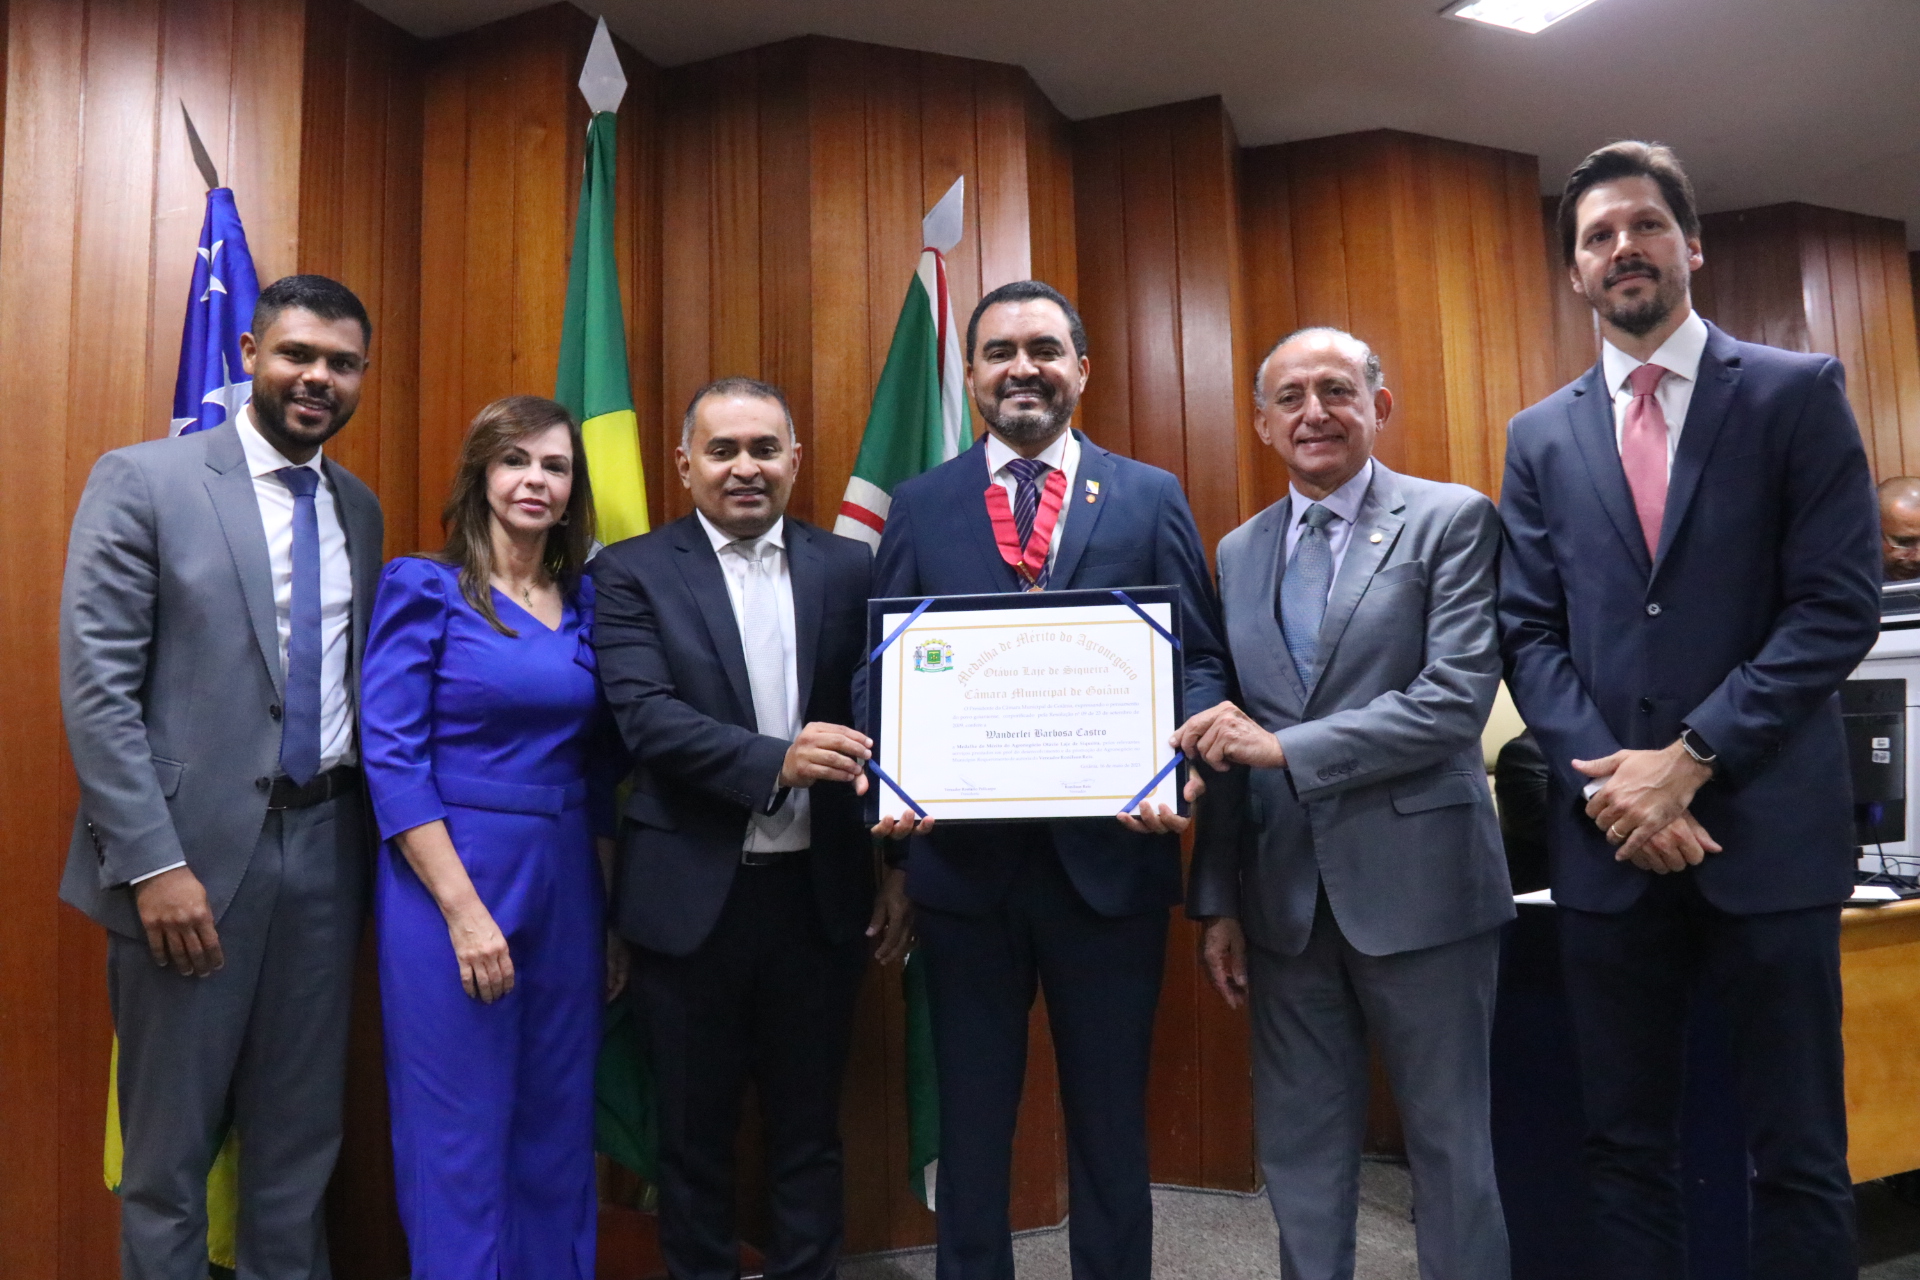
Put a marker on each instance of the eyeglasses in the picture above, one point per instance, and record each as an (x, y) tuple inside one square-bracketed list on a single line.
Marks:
[(1909, 543)]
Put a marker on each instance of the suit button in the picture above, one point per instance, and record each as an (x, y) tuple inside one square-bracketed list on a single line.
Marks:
[(1646, 705), (1653, 611), (263, 784), (274, 711)]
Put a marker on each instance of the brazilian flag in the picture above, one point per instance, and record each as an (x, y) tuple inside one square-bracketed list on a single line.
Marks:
[(593, 382)]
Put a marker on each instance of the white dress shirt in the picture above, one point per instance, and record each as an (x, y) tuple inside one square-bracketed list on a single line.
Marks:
[(336, 586), (1345, 503), (1062, 455), (336, 582), (734, 567), (1680, 356)]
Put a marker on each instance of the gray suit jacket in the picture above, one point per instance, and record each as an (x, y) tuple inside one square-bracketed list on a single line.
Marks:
[(170, 678), (1384, 798)]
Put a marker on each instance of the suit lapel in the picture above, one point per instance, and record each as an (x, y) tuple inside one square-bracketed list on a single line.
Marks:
[(360, 526), (1591, 418), (238, 510), (807, 568), (1096, 464), (1374, 532), (1257, 589), (706, 580), (1713, 387)]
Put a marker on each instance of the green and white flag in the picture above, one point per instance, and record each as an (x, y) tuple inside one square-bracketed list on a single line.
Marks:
[(919, 414), (918, 421), (593, 381)]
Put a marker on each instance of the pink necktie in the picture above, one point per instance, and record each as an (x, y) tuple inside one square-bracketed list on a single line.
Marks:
[(1643, 451)]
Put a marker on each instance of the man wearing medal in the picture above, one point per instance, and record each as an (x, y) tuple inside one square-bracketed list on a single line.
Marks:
[(1075, 907)]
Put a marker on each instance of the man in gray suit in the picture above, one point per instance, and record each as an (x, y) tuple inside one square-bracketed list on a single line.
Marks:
[(1348, 863), (211, 622)]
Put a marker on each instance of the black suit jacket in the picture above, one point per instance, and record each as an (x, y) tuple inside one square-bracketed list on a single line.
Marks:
[(675, 674), (1137, 532), (1762, 597)]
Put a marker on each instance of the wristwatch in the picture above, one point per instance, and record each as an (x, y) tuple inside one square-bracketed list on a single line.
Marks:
[(1696, 746)]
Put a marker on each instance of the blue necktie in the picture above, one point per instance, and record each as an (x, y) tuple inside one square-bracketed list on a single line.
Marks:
[(300, 731), (1303, 592), (1027, 477)]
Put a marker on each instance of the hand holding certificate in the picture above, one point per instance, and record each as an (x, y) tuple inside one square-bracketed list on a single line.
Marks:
[(1012, 707)]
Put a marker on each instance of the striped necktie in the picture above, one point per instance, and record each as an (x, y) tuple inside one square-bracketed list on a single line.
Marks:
[(1303, 592)]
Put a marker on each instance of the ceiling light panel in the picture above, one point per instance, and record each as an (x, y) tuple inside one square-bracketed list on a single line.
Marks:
[(1529, 17)]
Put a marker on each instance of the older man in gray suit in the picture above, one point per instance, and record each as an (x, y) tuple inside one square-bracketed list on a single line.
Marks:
[(1348, 862), (211, 622)]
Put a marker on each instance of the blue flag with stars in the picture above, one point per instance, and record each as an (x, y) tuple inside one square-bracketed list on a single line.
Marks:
[(212, 384)]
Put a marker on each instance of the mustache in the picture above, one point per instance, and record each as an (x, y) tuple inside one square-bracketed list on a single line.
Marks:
[(1625, 269), (1029, 386)]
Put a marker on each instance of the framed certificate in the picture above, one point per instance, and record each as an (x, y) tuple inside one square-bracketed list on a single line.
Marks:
[(1033, 705)]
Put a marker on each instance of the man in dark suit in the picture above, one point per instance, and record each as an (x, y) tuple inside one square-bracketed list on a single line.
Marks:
[(1690, 570), (211, 624), (727, 643), (1077, 907)]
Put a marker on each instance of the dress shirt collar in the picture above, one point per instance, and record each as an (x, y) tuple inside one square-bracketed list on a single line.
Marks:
[(775, 537), (1343, 502), (1679, 355), (262, 458), (1055, 455)]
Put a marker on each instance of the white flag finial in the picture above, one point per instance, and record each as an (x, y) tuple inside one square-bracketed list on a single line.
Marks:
[(940, 229), (602, 81)]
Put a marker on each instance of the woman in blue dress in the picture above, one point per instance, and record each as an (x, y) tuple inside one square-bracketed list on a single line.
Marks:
[(489, 766)]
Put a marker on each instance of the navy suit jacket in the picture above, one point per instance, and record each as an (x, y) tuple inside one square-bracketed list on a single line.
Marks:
[(675, 674), (1137, 532), (1762, 598)]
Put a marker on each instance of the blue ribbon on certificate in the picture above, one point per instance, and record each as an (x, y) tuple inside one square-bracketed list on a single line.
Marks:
[(893, 786), (1173, 640), (882, 646), (1147, 790), (1147, 618), (874, 765)]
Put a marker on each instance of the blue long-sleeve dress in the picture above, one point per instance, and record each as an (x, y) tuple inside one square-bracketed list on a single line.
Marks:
[(500, 737)]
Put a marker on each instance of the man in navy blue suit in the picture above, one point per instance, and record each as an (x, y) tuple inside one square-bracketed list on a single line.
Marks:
[(1690, 570), (1079, 907), (727, 644)]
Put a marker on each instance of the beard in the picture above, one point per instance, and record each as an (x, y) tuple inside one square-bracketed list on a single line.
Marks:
[(1642, 317), (270, 414), (1031, 426)]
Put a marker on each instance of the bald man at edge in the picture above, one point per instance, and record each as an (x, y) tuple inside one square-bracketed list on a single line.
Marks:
[(1348, 864), (1900, 528)]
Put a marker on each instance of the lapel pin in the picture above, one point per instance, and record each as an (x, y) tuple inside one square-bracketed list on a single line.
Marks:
[(1093, 490), (1375, 538)]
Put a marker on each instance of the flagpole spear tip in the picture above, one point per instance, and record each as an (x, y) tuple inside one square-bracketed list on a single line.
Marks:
[(201, 159), (942, 227), (602, 81)]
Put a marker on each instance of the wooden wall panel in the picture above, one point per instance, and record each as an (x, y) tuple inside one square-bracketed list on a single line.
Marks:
[(1424, 249), (1813, 279), (99, 214), (1576, 340), (1159, 232), (503, 143), (360, 224)]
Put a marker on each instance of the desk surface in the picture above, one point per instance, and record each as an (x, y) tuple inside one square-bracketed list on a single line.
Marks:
[(1880, 971), (1863, 928)]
